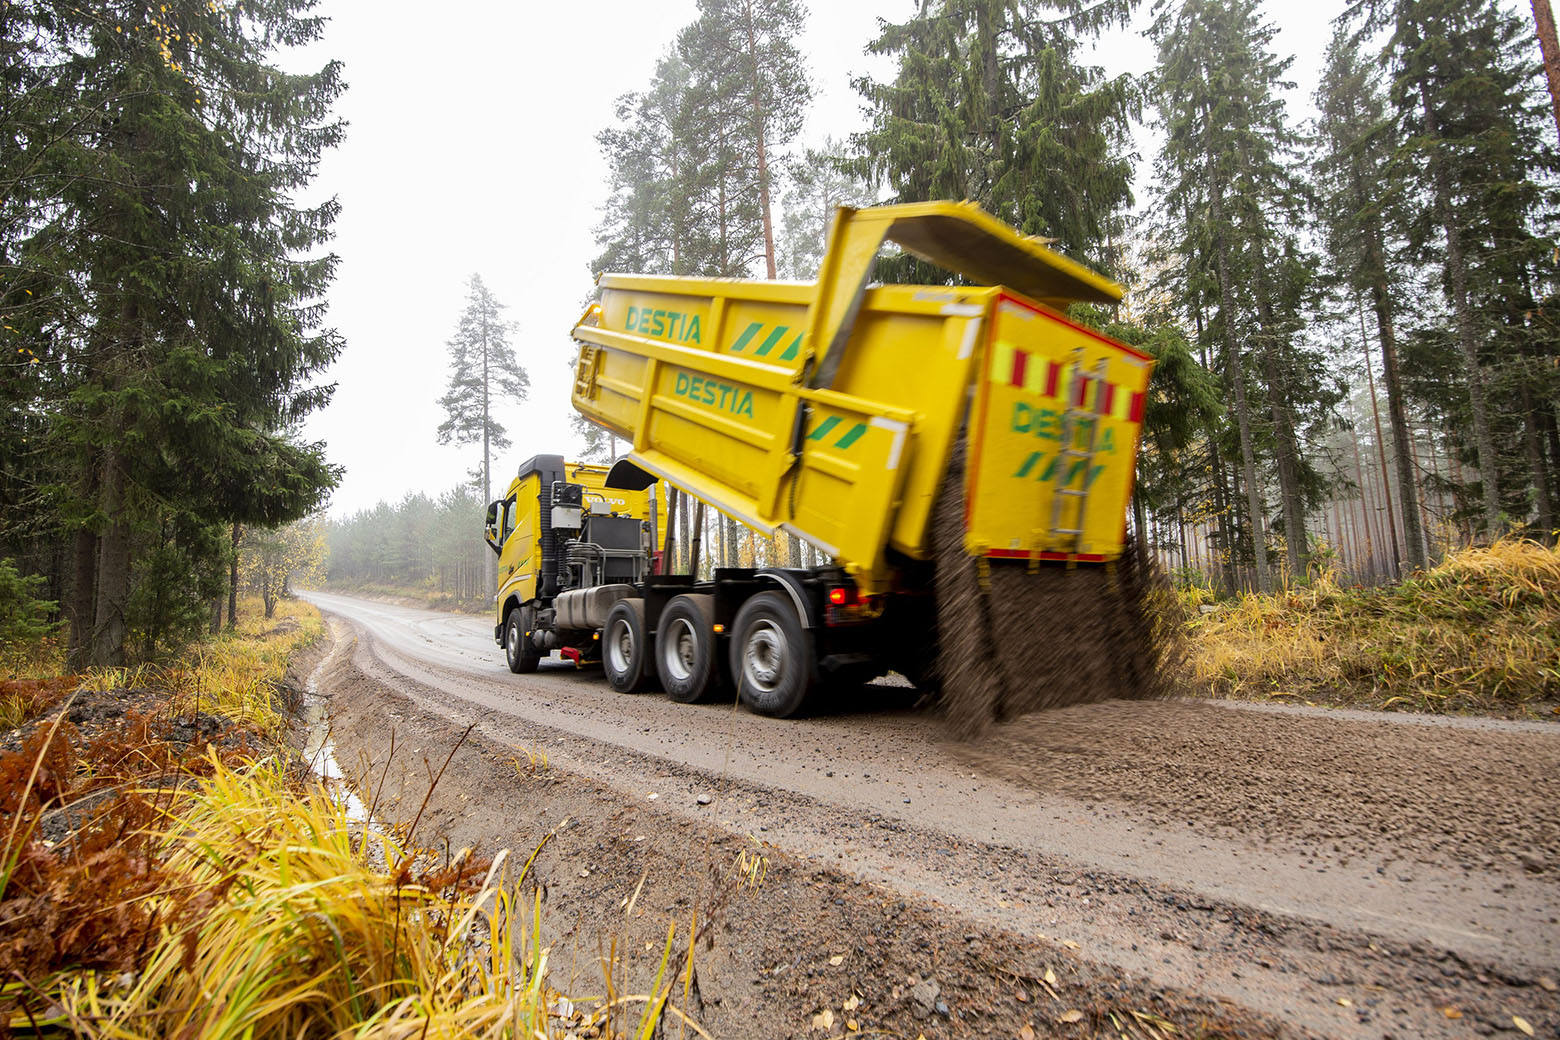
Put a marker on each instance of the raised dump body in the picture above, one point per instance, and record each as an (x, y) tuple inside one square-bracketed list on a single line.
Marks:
[(831, 410)]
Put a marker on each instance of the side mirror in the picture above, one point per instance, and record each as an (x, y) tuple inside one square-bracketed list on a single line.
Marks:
[(490, 527)]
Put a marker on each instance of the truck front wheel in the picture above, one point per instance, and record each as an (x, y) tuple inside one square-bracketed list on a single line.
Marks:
[(625, 647), (771, 656), (519, 651), (685, 649)]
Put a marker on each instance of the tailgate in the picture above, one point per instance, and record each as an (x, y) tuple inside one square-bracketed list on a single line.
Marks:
[(1053, 438)]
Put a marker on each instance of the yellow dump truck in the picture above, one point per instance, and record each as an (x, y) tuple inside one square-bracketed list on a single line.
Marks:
[(843, 413)]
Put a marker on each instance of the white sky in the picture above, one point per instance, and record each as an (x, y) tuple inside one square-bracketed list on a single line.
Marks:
[(471, 148)]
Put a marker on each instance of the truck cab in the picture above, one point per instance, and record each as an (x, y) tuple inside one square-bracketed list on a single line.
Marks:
[(568, 548)]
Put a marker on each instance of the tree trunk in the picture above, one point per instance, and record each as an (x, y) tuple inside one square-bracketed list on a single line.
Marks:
[(233, 578), (83, 606), (669, 547), (1238, 385), (697, 539), (1535, 454), (1397, 418), (489, 561), (763, 154), (113, 572), (1467, 335), (1381, 453), (1544, 20), (1287, 452), (1367, 506)]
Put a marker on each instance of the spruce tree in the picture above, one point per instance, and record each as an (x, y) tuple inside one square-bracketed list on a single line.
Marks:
[(1360, 203), (173, 288), (1472, 149), (990, 102), (1215, 83)]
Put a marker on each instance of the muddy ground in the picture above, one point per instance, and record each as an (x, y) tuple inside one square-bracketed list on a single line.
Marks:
[(1234, 871)]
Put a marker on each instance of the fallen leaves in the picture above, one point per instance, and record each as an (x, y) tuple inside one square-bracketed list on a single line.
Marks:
[(1522, 1024), (1070, 1016), (837, 960), (824, 1019)]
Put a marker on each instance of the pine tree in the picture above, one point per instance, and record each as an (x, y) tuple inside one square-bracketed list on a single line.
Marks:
[(483, 373), (748, 94), (650, 151), (818, 184)]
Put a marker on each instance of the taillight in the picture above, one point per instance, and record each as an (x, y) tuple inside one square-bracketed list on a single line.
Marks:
[(843, 596)]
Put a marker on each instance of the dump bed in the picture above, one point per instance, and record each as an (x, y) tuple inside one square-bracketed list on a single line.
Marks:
[(830, 410)]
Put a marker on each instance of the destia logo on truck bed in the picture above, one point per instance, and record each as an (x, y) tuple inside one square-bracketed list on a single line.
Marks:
[(713, 393), (673, 325)]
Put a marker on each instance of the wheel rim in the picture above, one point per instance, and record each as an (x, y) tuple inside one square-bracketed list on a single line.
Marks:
[(620, 647), (513, 643), (679, 647), (764, 656)]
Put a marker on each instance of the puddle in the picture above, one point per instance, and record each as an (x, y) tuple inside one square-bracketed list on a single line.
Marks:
[(318, 749)]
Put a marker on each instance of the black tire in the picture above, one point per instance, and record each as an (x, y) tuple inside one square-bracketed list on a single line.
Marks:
[(685, 649), (519, 651), (771, 657), (626, 653)]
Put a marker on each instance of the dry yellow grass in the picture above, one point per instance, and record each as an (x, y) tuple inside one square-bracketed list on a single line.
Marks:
[(235, 674), (316, 927), (278, 916), (1481, 632)]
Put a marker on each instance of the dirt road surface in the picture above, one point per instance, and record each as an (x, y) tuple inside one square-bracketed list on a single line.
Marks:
[(1102, 870)]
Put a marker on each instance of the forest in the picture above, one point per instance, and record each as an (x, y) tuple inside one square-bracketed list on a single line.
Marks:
[(1353, 313), (163, 304)]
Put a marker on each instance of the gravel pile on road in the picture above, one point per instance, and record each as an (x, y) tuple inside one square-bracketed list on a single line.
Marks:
[(1016, 642), (1473, 798)]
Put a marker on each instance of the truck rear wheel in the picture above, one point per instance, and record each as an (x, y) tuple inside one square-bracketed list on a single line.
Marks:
[(625, 647), (519, 651), (771, 656), (685, 649)]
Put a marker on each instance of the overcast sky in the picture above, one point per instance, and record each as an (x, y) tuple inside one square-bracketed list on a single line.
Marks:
[(471, 149)]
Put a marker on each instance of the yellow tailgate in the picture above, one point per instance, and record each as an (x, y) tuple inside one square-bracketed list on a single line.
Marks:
[(1029, 494)]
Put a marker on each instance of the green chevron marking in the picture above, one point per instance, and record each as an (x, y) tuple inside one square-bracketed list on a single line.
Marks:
[(823, 428), (851, 437), (773, 338), (747, 335)]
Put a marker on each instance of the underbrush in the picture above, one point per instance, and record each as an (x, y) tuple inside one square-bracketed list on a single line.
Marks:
[(166, 870), (1479, 633)]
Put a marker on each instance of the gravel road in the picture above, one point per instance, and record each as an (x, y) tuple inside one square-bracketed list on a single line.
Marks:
[(1283, 872)]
